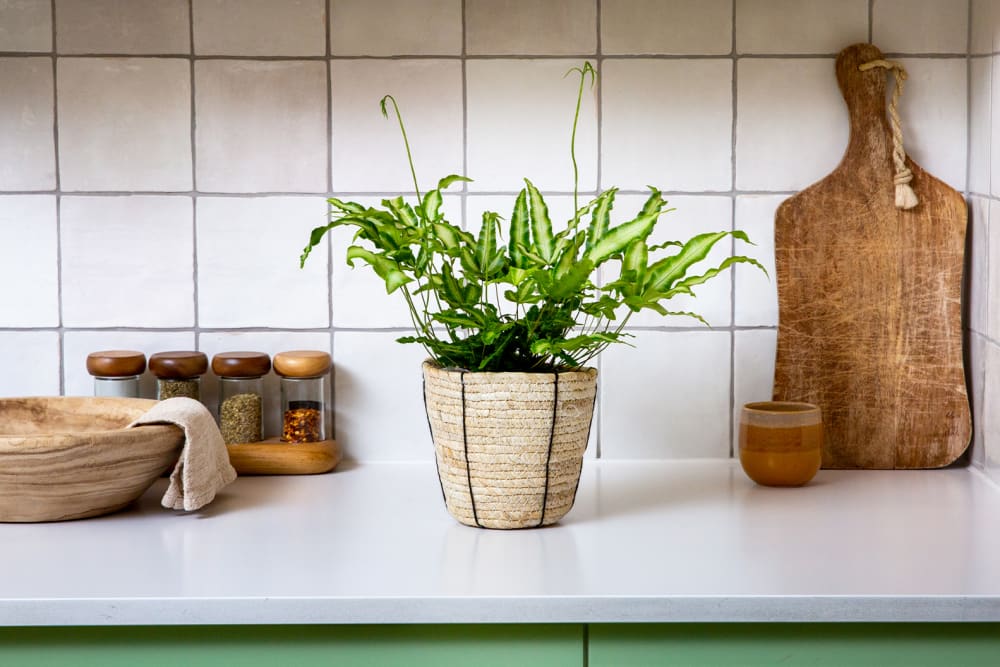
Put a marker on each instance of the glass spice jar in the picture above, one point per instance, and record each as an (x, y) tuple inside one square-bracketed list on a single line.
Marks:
[(241, 395), (303, 394), (178, 373), (116, 372)]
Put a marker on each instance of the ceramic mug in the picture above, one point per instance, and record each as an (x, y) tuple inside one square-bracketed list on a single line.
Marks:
[(781, 442)]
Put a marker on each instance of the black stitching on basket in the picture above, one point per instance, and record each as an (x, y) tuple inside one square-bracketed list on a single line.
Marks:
[(468, 466), (437, 468), (552, 435)]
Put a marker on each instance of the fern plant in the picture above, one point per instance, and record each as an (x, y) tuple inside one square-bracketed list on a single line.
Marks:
[(518, 296)]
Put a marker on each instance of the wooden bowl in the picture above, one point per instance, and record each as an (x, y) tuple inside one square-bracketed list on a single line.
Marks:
[(72, 457)]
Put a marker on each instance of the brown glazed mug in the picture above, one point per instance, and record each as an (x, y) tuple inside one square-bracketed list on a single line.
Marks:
[(781, 442)]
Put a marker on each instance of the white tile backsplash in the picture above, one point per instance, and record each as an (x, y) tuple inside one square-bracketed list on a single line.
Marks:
[(920, 26), (980, 93), (34, 370), (124, 124), (379, 400), (520, 116), (975, 369), (701, 27), (127, 261), (757, 293), (27, 140), (404, 27), (261, 126), (98, 27), (249, 273), (28, 261), (993, 268), (791, 127), (259, 27), (368, 151), (754, 354), (667, 397), (933, 107), (978, 276), (991, 413), (799, 26), (26, 25), (235, 109), (680, 136), (529, 27)]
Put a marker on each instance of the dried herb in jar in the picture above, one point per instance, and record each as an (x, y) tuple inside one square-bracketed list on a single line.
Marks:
[(302, 421), (240, 418), (182, 388)]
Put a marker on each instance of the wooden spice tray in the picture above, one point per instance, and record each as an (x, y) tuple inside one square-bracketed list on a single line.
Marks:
[(273, 457)]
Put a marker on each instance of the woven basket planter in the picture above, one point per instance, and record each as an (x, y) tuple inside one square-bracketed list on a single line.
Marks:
[(509, 446)]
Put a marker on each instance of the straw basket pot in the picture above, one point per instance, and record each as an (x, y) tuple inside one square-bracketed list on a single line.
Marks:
[(509, 446)]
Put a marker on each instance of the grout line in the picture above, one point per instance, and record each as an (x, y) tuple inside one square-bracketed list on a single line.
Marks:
[(732, 241), (599, 103), (395, 193), (871, 20), (58, 190), (194, 176), (329, 184)]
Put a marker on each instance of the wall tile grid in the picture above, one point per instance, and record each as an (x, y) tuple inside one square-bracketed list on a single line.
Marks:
[(162, 162)]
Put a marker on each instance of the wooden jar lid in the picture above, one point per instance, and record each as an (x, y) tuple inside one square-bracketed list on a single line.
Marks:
[(116, 363), (302, 363), (178, 365), (241, 364)]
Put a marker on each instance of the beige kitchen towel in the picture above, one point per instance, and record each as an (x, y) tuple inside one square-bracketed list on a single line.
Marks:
[(203, 467)]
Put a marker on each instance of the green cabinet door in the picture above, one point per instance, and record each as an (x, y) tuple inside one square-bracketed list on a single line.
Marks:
[(795, 645), (295, 646)]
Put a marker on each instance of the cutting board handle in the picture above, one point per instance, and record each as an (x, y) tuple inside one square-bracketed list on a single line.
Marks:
[(861, 74)]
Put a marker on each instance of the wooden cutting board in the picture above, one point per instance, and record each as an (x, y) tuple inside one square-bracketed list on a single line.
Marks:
[(869, 298)]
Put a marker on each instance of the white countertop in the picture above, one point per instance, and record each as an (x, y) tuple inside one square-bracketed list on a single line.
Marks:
[(647, 541)]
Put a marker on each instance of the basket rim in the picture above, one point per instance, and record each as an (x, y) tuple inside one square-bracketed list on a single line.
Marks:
[(431, 364)]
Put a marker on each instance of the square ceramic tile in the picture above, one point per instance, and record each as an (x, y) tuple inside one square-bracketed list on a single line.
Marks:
[(520, 117), (667, 397), (993, 264), (124, 124), (679, 137), (270, 342), (991, 411), (799, 26), (934, 112), (262, 126), (27, 139), (29, 266), (78, 344), (985, 19), (368, 150), (260, 27), (528, 27), (404, 27), (791, 123), (977, 271), (975, 370), (980, 78), (379, 398), (359, 296), (753, 371), (248, 263), (920, 26), (32, 364), (127, 261), (756, 293), (25, 25), (995, 123), (692, 216), (640, 27), (122, 26)]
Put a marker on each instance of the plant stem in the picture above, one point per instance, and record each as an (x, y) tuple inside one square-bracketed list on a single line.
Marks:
[(406, 142)]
